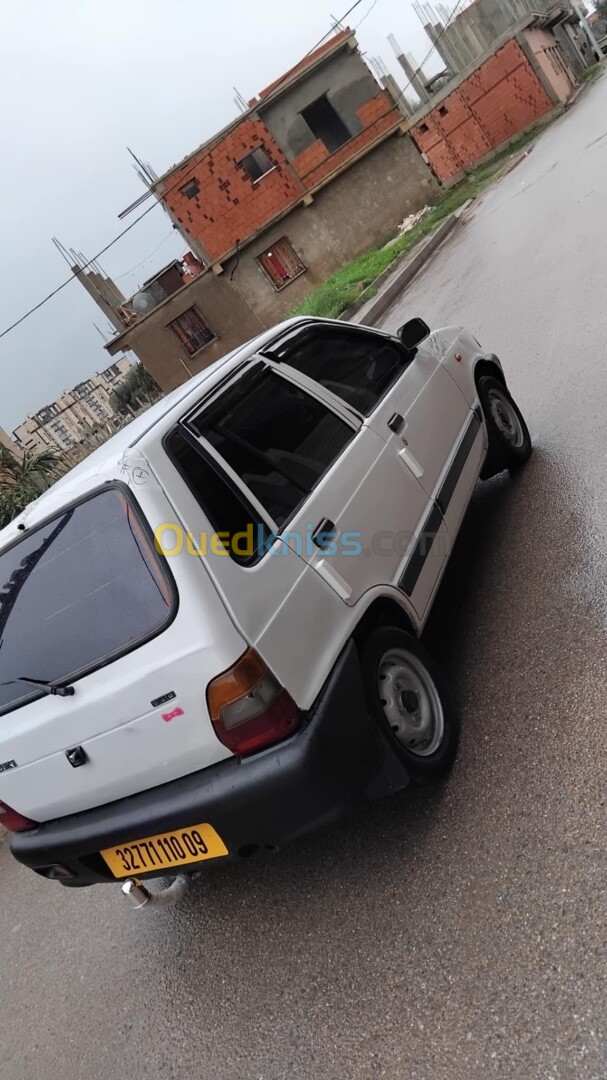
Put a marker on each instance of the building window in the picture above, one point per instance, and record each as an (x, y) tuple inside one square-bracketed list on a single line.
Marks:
[(326, 124), (192, 331), (424, 129), (257, 164), (443, 110), (191, 189), (281, 264)]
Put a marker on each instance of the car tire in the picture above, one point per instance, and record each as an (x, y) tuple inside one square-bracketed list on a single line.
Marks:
[(510, 445), (407, 698)]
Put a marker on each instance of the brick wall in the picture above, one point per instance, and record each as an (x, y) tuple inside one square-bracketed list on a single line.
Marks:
[(502, 97), (230, 205)]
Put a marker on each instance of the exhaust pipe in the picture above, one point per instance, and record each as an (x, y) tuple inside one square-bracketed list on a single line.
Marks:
[(140, 896)]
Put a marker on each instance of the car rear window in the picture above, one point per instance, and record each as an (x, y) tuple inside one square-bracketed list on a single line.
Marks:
[(79, 591)]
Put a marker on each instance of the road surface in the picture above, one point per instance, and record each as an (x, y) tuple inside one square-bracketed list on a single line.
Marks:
[(454, 936)]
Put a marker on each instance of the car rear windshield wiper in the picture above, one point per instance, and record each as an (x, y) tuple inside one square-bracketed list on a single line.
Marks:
[(48, 687)]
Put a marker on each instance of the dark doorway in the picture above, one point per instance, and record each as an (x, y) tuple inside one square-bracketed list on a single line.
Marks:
[(326, 123)]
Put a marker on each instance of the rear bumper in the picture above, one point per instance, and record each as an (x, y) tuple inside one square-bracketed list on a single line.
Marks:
[(338, 758)]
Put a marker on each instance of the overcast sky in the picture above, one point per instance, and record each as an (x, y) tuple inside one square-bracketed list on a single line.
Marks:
[(80, 80)]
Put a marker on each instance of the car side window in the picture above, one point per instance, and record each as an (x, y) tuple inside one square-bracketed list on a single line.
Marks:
[(225, 506), (277, 438), (358, 368)]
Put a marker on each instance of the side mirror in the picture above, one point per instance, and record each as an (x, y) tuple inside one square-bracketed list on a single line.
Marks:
[(413, 333)]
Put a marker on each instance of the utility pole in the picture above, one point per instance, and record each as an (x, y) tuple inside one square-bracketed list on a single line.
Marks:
[(596, 48)]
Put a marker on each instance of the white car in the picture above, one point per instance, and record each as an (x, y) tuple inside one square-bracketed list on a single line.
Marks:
[(209, 630)]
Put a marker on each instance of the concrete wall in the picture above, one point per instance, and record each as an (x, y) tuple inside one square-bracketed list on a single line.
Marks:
[(486, 108), (153, 341), (348, 84), (551, 60), (486, 20), (359, 209)]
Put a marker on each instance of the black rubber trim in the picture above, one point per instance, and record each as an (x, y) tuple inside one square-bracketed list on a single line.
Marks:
[(434, 519), (423, 547), (463, 452)]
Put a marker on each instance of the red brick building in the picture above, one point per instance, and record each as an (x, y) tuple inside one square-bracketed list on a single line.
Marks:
[(292, 140), (524, 79)]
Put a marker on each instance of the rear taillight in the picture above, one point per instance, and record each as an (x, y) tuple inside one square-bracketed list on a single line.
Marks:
[(249, 708), (13, 821)]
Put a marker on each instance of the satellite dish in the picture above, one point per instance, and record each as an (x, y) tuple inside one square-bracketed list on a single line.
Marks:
[(143, 302)]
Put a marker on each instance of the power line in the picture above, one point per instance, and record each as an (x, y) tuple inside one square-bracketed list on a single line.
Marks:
[(148, 257), (366, 15), (136, 221)]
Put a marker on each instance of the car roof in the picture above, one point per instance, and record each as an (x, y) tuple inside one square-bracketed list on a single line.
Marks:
[(105, 462)]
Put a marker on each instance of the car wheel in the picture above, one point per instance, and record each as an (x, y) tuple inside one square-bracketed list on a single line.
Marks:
[(407, 697), (510, 443)]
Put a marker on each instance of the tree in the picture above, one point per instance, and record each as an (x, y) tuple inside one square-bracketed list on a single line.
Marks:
[(23, 479), (146, 383), (37, 471), (137, 389), (601, 8)]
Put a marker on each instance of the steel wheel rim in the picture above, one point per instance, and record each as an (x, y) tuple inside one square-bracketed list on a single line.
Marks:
[(410, 703), (505, 418)]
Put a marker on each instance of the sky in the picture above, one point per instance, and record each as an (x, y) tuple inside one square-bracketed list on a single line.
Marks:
[(80, 80)]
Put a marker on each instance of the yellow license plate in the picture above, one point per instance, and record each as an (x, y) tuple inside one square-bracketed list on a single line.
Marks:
[(164, 851)]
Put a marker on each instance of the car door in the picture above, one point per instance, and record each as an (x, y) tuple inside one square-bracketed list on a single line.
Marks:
[(331, 489), (413, 404)]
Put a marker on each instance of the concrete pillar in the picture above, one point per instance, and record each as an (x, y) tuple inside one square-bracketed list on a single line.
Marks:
[(449, 58), (469, 41), (390, 84), (105, 298), (415, 78)]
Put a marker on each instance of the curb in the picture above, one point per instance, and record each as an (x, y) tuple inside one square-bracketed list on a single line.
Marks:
[(398, 279), (578, 93)]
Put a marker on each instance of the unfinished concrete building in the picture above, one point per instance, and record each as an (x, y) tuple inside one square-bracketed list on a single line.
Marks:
[(462, 39)]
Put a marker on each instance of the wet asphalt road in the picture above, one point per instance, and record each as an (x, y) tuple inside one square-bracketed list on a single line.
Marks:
[(456, 935)]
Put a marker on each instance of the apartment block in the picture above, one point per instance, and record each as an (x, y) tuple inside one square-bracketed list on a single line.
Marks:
[(75, 416)]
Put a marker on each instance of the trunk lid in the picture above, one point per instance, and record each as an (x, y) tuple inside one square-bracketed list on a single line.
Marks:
[(86, 602)]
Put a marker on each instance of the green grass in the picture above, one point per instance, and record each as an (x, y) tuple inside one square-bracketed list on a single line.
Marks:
[(344, 287), (594, 70)]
